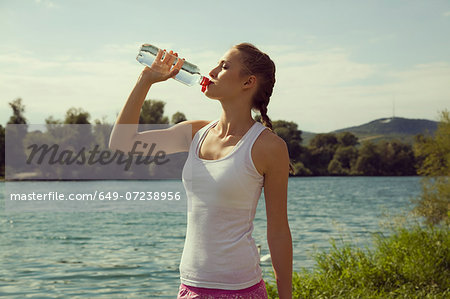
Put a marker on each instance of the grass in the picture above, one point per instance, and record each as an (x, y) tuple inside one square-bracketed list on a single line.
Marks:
[(410, 263)]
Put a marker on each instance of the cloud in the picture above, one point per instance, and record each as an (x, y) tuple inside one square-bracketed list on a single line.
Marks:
[(446, 14)]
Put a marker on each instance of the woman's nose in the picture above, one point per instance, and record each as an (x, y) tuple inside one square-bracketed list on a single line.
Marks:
[(213, 73)]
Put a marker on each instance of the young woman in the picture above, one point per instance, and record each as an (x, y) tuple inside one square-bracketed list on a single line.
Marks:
[(230, 160)]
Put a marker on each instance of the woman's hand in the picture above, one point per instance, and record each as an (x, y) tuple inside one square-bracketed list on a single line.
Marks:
[(162, 68)]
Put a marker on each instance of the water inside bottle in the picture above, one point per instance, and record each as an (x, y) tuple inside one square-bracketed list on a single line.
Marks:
[(187, 66), (189, 73)]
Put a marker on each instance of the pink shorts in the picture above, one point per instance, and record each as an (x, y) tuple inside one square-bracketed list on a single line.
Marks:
[(257, 291)]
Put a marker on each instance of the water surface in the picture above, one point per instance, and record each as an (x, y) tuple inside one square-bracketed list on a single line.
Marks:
[(136, 254)]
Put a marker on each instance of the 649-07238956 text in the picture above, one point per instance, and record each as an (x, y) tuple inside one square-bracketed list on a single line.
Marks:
[(97, 195)]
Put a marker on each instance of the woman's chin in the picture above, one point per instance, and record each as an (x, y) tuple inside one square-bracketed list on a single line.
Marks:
[(210, 95)]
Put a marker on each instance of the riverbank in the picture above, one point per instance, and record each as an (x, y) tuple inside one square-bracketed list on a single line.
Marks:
[(413, 262)]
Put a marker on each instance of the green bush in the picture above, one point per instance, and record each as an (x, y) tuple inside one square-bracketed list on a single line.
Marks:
[(434, 165), (410, 263)]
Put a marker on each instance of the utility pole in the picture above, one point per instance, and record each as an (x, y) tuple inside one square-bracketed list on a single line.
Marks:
[(393, 108)]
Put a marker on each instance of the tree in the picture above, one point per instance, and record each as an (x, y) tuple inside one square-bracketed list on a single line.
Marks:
[(397, 158), (178, 117), (434, 202), (343, 161), (335, 168), (288, 130), (52, 121), (327, 140), (290, 133), (16, 133), (345, 155), (347, 139), (80, 135), (369, 160), (321, 151), (300, 169), (18, 110), (76, 116), (152, 112)]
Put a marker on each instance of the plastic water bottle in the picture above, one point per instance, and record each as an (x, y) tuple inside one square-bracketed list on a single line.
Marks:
[(189, 73)]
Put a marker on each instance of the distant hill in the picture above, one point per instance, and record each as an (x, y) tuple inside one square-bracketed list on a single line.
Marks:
[(403, 129)]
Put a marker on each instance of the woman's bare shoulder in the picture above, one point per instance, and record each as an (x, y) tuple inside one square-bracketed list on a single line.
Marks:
[(195, 124), (269, 141), (268, 146)]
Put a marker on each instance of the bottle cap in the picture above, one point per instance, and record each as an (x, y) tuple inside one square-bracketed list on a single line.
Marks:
[(205, 82)]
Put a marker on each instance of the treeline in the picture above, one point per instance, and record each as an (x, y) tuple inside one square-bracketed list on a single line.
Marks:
[(330, 154), (338, 154)]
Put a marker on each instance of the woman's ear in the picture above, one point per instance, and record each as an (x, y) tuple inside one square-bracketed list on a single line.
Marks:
[(250, 82)]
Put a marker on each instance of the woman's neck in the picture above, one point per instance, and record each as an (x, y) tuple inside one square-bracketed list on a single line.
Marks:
[(235, 122)]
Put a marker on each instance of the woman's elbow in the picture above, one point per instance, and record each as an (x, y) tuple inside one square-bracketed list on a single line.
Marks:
[(120, 138)]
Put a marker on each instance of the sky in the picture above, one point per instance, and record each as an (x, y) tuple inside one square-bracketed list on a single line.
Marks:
[(339, 63)]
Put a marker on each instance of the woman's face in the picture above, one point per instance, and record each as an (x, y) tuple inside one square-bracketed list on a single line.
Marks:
[(227, 79)]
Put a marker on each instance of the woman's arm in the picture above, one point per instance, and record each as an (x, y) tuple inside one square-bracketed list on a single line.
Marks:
[(276, 174), (125, 131)]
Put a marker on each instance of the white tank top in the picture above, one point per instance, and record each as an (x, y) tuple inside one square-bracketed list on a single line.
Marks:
[(219, 250)]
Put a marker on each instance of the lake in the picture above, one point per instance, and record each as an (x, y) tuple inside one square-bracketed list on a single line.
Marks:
[(135, 254)]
